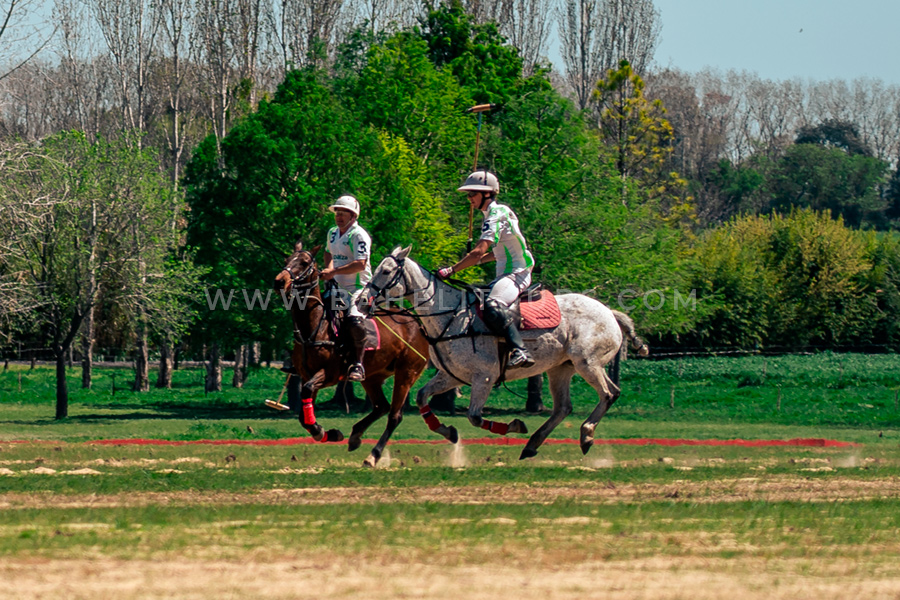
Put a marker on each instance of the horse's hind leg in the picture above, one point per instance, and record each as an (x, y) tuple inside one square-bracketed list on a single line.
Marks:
[(608, 391), (559, 379), (380, 408), (438, 384)]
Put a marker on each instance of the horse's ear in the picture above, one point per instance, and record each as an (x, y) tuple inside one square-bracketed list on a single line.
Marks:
[(315, 250), (403, 253), (298, 246)]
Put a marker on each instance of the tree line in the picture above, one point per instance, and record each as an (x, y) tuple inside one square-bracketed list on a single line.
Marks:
[(188, 156)]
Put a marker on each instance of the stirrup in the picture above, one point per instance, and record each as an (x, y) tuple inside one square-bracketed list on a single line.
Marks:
[(356, 373), (519, 358)]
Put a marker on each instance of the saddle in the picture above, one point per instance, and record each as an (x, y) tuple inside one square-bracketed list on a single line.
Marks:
[(535, 308), (373, 333)]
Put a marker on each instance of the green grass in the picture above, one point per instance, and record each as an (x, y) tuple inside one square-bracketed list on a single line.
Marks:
[(233, 502), (799, 511), (845, 396), (495, 533)]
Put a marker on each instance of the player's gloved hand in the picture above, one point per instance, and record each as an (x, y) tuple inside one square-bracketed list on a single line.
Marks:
[(445, 272)]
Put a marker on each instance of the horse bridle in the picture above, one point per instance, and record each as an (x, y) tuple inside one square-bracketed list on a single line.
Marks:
[(395, 279), (307, 287)]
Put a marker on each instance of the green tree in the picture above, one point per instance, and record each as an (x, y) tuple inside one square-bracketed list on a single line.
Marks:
[(478, 56), (829, 178), (640, 136), (70, 212), (558, 177)]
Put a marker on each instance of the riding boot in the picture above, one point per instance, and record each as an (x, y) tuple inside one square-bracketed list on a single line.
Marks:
[(499, 319), (518, 356), (357, 330)]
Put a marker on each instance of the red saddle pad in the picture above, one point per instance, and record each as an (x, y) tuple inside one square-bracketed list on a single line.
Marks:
[(542, 313)]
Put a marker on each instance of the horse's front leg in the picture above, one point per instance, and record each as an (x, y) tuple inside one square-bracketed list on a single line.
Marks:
[(308, 413), (441, 382), (380, 407), (481, 389)]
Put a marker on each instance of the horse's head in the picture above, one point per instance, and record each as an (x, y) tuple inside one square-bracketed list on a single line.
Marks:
[(388, 281), (299, 272)]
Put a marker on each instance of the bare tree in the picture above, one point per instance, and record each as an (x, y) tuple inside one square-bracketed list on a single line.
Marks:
[(304, 30), (129, 28), (525, 24), (595, 35), (215, 56), (579, 42), (629, 31), (175, 49), (23, 34), (379, 15)]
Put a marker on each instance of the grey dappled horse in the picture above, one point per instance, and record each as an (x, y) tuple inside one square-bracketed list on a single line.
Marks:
[(588, 337)]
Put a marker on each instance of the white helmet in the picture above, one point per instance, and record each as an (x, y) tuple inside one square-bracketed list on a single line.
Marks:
[(480, 181), (347, 203)]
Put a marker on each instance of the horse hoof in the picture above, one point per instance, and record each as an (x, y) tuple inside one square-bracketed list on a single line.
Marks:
[(335, 435), (517, 426), (353, 443), (453, 435), (527, 453), (370, 462), (316, 432), (586, 445)]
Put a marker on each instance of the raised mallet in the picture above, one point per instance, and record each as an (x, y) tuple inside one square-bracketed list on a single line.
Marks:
[(478, 109)]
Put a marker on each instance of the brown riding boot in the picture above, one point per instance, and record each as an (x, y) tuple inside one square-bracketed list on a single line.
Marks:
[(357, 330)]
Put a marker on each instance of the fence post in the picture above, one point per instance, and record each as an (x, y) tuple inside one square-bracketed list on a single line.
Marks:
[(778, 405), (672, 398)]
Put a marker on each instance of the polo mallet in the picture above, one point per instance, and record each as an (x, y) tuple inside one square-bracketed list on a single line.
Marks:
[(276, 404), (479, 109)]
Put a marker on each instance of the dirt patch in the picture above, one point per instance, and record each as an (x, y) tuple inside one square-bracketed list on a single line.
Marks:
[(276, 578), (771, 489)]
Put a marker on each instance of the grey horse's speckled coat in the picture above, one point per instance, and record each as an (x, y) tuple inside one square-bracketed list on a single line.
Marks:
[(589, 336)]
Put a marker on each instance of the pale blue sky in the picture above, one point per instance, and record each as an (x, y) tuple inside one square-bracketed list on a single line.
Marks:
[(840, 39)]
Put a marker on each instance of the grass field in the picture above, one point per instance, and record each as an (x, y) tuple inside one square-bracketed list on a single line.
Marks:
[(85, 520)]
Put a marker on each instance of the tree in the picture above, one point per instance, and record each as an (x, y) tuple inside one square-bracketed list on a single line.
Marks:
[(638, 133), (70, 211), (484, 65), (834, 134), (792, 280), (130, 28), (830, 179), (597, 35), (22, 34), (303, 31)]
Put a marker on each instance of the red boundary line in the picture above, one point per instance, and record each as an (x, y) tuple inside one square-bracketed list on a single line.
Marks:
[(803, 442)]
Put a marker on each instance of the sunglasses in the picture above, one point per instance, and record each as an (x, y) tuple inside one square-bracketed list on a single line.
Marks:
[(472, 194)]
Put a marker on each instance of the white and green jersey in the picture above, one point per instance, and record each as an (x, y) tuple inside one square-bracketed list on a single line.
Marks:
[(501, 229), (355, 244)]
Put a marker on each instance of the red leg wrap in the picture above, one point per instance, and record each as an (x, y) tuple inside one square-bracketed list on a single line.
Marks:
[(324, 437), (495, 427), (432, 421), (309, 413)]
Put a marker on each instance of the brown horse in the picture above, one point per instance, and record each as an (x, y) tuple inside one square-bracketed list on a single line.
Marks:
[(317, 357)]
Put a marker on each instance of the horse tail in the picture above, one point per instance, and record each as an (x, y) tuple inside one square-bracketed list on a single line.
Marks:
[(629, 336), (627, 327)]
